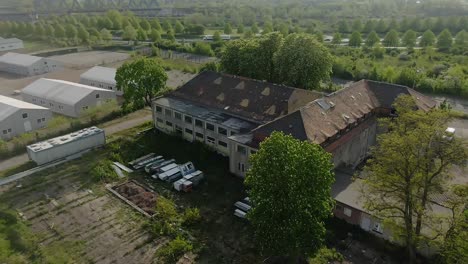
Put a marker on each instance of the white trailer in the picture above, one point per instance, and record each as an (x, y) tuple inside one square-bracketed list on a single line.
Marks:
[(67, 145), (189, 180), (177, 172), (156, 166)]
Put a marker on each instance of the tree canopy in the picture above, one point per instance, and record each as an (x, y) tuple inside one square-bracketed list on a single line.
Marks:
[(289, 184), (141, 81)]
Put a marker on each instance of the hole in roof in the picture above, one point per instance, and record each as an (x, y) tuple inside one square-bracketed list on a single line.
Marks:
[(220, 97), (240, 86), (218, 81), (266, 91), (244, 102), (271, 110)]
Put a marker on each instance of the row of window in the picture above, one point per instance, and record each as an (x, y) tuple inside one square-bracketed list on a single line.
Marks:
[(6, 131), (189, 120), (43, 103), (40, 120), (198, 135)]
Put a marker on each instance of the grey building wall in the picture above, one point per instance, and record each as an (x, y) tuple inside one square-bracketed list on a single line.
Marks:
[(72, 110), (40, 67), (191, 128), (100, 84), (239, 157), (17, 124)]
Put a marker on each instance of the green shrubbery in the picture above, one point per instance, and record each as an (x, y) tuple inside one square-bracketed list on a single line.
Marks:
[(325, 256), (172, 251), (103, 171)]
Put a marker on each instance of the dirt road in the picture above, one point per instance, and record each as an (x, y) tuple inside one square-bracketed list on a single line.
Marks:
[(110, 128)]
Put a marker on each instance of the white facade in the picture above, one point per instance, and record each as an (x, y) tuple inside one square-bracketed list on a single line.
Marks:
[(67, 145), (10, 44), (101, 77), (18, 117), (27, 65), (66, 98)]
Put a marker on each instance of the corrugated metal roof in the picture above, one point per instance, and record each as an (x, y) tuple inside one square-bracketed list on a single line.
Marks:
[(19, 59), (59, 91), (8, 106), (10, 40), (100, 74)]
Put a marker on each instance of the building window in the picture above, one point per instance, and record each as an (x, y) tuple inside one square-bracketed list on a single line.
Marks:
[(178, 116), (252, 151), (347, 212), (34, 99), (188, 119), (210, 140), (110, 87), (222, 144), (169, 124), (198, 123), (43, 119), (159, 120), (5, 132), (222, 131), (241, 149), (60, 106), (98, 95), (39, 121), (241, 167), (25, 115), (168, 112), (158, 109), (199, 135), (51, 104), (233, 133), (85, 108), (210, 127), (178, 129), (188, 131), (377, 228)]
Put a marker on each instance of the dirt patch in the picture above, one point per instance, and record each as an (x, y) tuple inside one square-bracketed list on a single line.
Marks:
[(142, 197), (89, 59)]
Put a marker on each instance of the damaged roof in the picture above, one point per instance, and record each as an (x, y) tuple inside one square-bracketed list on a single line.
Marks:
[(323, 118), (251, 99)]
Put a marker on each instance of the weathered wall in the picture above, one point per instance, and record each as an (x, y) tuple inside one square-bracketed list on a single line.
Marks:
[(16, 122), (103, 85)]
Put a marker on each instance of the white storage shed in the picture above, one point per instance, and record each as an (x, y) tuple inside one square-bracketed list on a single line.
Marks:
[(27, 65), (101, 77)]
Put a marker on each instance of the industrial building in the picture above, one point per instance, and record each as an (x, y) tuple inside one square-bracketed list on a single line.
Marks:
[(66, 98), (18, 117), (234, 115), (10, 44), (101, 77), (27, 65), (67, 145)]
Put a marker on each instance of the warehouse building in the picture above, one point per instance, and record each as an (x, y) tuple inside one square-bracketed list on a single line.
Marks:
[(18, 117), (10, 44), (66, 98), (101, 77), (27, 65), (67, 145)]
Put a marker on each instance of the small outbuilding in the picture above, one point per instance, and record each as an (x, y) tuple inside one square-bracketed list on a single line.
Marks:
[(10, 44), (66, 98), (27, 65), (67, 145), (101, 77), (18, 117)]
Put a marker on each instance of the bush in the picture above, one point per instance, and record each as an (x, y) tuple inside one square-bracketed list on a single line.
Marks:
[(325, 256), (404, 57), (166, 210), (191, 216), (104, 172), (172, 251)]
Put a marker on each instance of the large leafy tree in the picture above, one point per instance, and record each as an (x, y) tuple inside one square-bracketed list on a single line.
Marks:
[(336, 38), (289, 184), (303, 62), (129, 33), (391, 39), (372, 39), (141, 81), (411, 164), (444, 40), (355, 39), (409, 39), (427, 39)]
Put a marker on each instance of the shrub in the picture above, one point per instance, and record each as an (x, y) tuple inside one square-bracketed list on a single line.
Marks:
[(166, 210), (191, 216), (325, 256), (3, 146), (104, 172), (162, 228), (172, 251), (404, 57)]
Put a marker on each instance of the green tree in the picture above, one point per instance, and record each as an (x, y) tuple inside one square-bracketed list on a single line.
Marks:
[(155, 36), (357, 25), (343, 27), (369, 26), (49, 31), (71, 31), (267, 28), (381, 26), (141, 81), (355, 39), (410, 164), (39, 31), (240, 29), (167, 26), (378, 52), (217, 37), (303, 171), (129, 34), (106, 35), (141, 34), (372, 39), (248, 34), (179, 28), (461, 38), (203, 48), (155, 25), (227, 28), (83, 34), (116, 19), (145, 25), (171, 36), (336, 38), (254, 28), (409, 39), (444, 40), (427, 39), (391, 39), (284, 29), (303, 61)]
